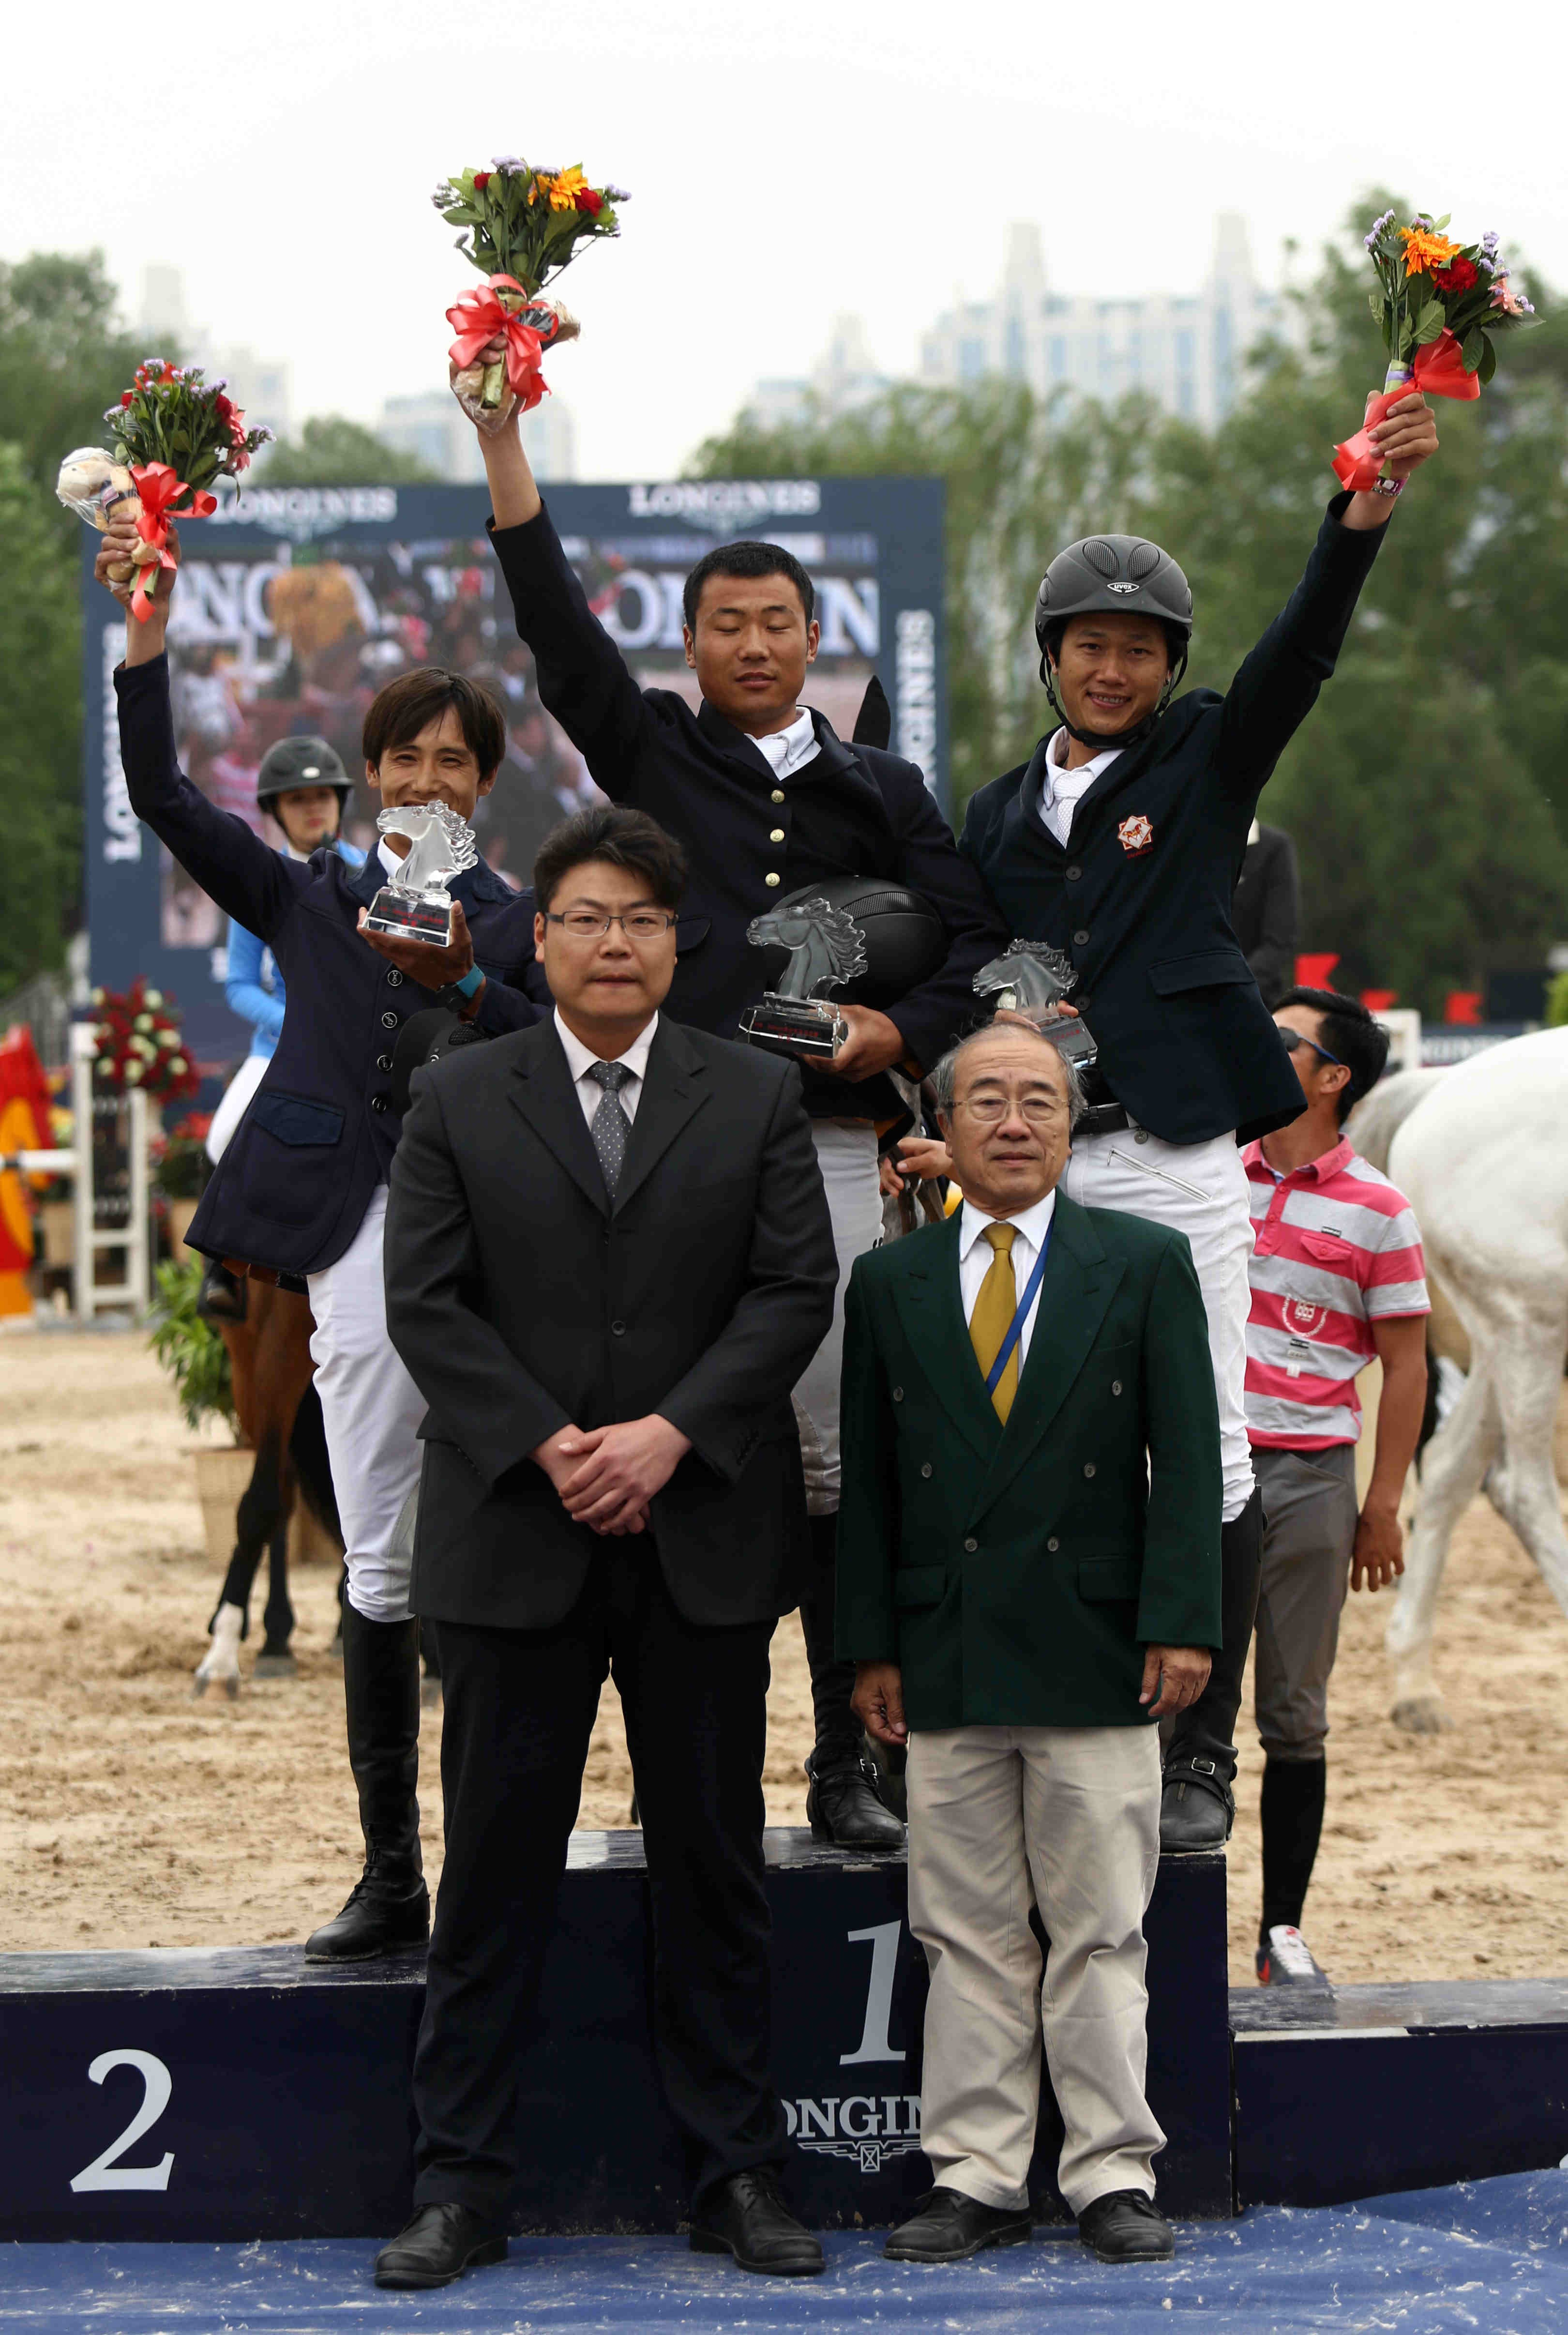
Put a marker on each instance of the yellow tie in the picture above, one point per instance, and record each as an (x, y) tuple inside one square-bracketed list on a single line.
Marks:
[(992, 1317)]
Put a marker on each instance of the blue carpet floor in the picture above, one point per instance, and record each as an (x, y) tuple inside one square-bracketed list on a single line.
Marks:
[(1486, 2258)]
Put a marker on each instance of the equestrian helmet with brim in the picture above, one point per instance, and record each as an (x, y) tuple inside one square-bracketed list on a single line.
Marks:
[(295, 762), (1113, 575), (906, 939)]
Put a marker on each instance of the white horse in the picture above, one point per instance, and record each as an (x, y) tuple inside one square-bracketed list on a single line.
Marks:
[(1481, 1152)]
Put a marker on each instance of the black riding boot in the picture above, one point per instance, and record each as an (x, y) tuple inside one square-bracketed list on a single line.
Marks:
[(220, 1297), (389, 1909), (1198, 1806), (843, 1805)]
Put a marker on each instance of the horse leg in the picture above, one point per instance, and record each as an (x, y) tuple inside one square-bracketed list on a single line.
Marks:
[(230, 1623), (275, 1659), (1456, 1459), (1529, 1375)]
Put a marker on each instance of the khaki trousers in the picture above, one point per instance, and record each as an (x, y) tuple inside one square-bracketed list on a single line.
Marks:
[(1001, 1818)]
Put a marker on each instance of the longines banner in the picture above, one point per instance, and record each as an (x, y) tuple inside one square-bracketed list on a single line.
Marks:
[(297, 603)]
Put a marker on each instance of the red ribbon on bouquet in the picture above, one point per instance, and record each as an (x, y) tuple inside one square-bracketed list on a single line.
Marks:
[(1439, 371), (160, 487), (482, 317)]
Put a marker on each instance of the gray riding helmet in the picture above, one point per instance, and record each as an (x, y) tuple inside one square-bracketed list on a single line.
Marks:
[(1104, 575), (295, 762)]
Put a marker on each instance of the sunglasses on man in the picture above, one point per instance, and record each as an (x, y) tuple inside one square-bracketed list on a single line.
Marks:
[(1294, 1038)]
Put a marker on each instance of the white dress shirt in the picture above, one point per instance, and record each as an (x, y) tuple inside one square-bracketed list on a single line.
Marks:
[(1061, 789), (975, 1256), (590, 1094), (787, 750)]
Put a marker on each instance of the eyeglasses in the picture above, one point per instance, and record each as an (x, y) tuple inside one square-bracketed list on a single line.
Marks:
[(1294, 1038), (992, 1110), (638, 923)]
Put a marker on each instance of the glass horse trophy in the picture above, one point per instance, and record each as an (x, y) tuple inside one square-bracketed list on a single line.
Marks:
[(827, 949), (1030, 979), (414, 905)]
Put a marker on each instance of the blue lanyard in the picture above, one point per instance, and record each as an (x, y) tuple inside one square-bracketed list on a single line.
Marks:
[(1015, 1328)]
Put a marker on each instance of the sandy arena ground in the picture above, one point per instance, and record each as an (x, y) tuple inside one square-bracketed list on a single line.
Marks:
[(132, 1816)]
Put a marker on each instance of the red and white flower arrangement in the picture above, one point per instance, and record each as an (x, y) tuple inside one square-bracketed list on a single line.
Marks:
[(137, 1044)]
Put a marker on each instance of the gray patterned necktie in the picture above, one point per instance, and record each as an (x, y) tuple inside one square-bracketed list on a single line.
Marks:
[(610, 1126)]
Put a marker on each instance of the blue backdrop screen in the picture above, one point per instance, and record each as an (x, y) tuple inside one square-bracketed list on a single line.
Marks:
[(296, 605)]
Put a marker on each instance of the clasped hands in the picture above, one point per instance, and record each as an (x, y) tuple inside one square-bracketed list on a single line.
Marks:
[(1173, 1679), (607, 1475)]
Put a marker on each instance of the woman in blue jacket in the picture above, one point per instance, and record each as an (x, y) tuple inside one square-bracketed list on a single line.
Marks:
[(303, 783)]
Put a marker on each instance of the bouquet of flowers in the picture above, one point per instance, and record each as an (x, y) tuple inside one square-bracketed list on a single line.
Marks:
[(520, 226), (138, 1044), (1439, 304), (174, 433)]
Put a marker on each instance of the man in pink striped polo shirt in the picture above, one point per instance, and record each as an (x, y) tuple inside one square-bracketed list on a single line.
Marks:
[(1337, 1278)]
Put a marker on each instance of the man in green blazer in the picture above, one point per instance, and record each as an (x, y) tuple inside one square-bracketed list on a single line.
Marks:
[(1029, 1578)]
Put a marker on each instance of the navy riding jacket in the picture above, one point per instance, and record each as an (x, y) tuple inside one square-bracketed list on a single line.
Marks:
[(751, 836), (294, 1184), (1139, 898)]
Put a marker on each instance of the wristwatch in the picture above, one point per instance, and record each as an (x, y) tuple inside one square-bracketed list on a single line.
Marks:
[(455, 994), (1387, 488)]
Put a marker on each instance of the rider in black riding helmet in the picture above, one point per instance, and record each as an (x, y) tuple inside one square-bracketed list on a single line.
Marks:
[(302, 784)]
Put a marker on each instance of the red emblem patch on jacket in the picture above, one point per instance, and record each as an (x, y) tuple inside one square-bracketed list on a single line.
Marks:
[(1136, 835)]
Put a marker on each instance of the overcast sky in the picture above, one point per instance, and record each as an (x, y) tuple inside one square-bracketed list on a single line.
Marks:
[(783, 165)]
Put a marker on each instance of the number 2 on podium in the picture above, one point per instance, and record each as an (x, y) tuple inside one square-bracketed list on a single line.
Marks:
[(106, 2172)]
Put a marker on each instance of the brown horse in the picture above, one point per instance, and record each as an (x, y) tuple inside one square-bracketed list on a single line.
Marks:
[(280, 1418)]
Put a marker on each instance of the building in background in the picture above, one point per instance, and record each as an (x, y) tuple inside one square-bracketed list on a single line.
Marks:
[(1186, 351), (845, 377), (432, 427), (262, 386)]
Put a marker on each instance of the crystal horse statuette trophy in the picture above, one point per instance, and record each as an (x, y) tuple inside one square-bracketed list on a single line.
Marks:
[(415, 905), (1030, 979), (826, 948)]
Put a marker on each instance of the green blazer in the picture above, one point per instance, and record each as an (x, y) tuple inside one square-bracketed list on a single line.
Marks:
[(1015, 1576)]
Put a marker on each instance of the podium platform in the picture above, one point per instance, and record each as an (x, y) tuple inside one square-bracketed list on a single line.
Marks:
[(240, 2093)]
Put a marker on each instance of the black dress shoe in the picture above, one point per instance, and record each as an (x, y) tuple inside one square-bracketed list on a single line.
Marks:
[(1195, 1813), (842, 1805), (1125, 2226), (746, 2217), (388, 1913), (438, 2244), (947, 2226)]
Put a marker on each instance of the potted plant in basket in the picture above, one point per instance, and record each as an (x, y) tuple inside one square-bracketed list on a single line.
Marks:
[(196, 1357)]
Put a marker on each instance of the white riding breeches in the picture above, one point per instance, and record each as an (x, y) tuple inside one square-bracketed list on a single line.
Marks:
[(372, 1409), (1199, 1189), (847, 1155), (234, 1105)]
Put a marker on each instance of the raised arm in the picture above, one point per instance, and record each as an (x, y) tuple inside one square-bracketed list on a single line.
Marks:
[(1277, 684), (584, 680), (243, 875)]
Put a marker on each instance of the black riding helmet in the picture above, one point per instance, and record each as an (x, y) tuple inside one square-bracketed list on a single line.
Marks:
[(297, 763), (1105, 575)]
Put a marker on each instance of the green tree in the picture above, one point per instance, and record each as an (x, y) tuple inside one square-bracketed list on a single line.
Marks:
[(332, 451), (1426, 791), (63, 359), (39, 729)]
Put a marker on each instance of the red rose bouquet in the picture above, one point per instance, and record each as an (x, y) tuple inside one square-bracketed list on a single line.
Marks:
[(175, 432), (138, 1044), (1439, 304), (520, 225)]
